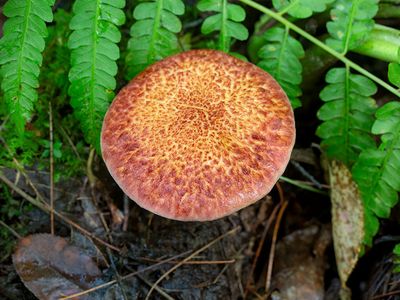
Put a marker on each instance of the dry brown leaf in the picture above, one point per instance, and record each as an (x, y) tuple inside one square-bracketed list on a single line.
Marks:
[(50, 267), (347, 220), (300, 264)]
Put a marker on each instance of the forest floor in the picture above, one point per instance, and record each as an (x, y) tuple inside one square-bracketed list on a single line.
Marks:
[(279, 248)]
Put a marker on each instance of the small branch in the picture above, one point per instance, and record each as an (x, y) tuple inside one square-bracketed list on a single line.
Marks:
[(117, 276), (273, 245), (89, 165), (51, 170), (302, 185), (271, 218), (10, 229), (159, 290), (126, 213), (193, 262)]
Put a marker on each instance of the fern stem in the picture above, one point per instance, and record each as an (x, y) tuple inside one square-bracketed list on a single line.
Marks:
[(156, 26), (383, 43), (284, 42), (93, 67), (320, 44), (287, 8), (20, 127), (223, 39), (353, 11)]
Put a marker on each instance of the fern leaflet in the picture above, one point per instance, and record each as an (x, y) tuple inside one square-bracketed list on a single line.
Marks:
[(300, 8), (226, 21), (21, 55), (394, 73), (347, 115), (351, 23), (280, 57), (153, 35), (94, 52), (376, 171)]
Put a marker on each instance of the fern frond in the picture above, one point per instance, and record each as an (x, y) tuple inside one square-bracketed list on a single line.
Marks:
[(347, 115), (280, 57), (376, 172), (351, 23), (21, 55), (226, 21), (300, 8), (153, 35), (394, 73), (93, 67)]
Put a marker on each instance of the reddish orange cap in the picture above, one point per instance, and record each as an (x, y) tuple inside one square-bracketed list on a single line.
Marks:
[(198, 136)]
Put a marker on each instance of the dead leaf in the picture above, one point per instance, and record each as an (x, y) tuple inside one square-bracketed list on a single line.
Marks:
[(51, 268), (347, 221), (300, 264)]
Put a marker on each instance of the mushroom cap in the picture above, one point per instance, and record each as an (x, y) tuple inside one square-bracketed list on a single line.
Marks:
[(198, 136)]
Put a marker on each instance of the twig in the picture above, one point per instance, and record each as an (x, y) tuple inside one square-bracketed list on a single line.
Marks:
[(126, 213), (306, 174), (302, 185), (280, 192), (118, 277), (392, 293), (197, 252), (101, 286), (158, 289), (10, 229), (70, 142), (45, 207), (89, 171), (273, 244), (259, 248), (194, 262), (21, 169), (51, 170)]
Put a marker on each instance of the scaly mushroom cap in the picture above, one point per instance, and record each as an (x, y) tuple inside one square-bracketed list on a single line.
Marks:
[(198, 136)]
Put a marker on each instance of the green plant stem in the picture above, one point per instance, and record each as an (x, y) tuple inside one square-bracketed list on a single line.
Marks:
[(320, 44), (223, 40), (302, 185), (383, 43), (388, 11), (10, 229)]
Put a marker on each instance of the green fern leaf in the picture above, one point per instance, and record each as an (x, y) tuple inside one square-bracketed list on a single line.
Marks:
[(153, 35), (300, 8), (21, 55), (394, 74), (347, 115), (376, 171), (93, 60), (351, 23), (226, 21), (280, 57)]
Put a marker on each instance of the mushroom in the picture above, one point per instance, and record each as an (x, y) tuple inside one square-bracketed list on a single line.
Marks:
[(198, 136)]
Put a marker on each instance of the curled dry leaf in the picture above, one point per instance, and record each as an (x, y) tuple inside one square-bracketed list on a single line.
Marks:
[(347, 220), (51, 268)]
